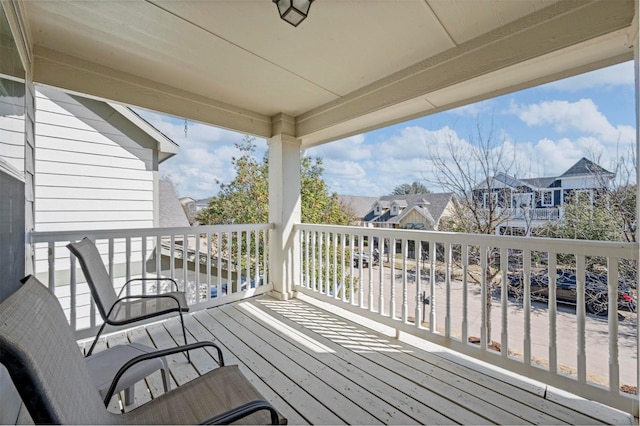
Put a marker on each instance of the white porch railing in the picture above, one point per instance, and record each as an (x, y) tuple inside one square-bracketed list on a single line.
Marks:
[(232, 264), (443, 280), (541, 213)]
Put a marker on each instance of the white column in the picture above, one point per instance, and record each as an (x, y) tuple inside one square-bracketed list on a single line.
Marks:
[(284, 213)]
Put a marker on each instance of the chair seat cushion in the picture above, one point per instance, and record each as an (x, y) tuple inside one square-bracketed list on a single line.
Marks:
[(226, 388), (131, 310)]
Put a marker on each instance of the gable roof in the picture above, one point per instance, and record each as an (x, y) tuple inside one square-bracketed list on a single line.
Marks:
[(171, 212), (359, 204), (586, 167), (431, 206)]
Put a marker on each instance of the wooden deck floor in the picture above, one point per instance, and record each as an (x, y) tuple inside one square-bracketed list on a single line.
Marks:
[(319, 368)]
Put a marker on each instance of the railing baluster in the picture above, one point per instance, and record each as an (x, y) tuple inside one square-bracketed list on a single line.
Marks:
[(352, 296), (208, 237), (392, 284), (143, 256), (336, 239), (327, 262), (405, 273), (172, 257), (580, 314), (314, 238), (465, 295), (418, 310), (504, 301), (447, 317), (229, 265), (432, 286), (51, 261), (360, 274), (196, 266), (239, 261), (72, 292), (381, 274), (526, 260), (614, 367), (343, 266), (322, 274), (158, 259), (483, 298), (553, 309), (247, 240), (254, 238), (185, 263), (370, 264), (128, 265)]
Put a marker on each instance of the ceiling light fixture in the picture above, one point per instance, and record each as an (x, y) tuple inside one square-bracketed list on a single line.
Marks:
[(293, 11)]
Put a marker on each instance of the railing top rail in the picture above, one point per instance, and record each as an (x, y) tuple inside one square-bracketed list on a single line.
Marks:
[(617, 249), (53, 236)]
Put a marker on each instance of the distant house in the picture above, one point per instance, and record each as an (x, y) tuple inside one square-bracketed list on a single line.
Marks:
[(415, 211), (192, 207), (529, 203)]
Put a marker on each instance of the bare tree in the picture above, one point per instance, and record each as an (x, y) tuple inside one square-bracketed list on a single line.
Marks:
[(478, 171)]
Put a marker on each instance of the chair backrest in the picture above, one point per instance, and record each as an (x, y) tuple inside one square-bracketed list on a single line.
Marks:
[(96, 274), (39, 350)]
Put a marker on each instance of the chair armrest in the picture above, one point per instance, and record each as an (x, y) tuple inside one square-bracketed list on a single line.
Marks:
[(244, 410), (157, 354), (142, 296), (148, 279)]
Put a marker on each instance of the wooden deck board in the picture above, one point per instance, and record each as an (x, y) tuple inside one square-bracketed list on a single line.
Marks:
[(319, 368)]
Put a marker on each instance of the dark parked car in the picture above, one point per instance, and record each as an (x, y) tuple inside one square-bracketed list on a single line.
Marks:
[(596, 290)]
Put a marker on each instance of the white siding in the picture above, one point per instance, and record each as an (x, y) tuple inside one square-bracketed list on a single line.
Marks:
[(90, 174)]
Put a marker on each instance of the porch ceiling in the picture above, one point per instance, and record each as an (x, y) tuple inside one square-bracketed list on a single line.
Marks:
[(350, 67)]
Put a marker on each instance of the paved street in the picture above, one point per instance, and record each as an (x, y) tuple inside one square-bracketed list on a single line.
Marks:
[(597, 333)]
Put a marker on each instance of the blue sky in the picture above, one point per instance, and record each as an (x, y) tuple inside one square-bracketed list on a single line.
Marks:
[(546, 129)]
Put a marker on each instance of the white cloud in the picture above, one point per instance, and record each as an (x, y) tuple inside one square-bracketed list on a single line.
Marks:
[(582, 116), (204, 155)]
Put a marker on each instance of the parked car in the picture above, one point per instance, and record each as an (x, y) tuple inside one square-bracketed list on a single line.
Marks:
[(596, 290), (365, 258), (214, 288)]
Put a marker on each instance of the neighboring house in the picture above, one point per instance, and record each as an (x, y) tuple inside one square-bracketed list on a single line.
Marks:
[(97, 165), (529, 203), (358, 205), (97, 168), (415, 211)]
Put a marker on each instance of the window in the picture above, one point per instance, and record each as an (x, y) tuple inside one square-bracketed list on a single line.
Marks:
[(490, 199), (547, 198)]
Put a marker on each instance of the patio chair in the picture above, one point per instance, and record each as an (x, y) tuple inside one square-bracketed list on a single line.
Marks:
[(38, 349), (118, 309)]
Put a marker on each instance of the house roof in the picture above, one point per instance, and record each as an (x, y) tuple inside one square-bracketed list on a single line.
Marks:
[(585, 167), (171, 211), (431, 206), (360, 205), (541, 182), (107, 116), (237, 65)]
